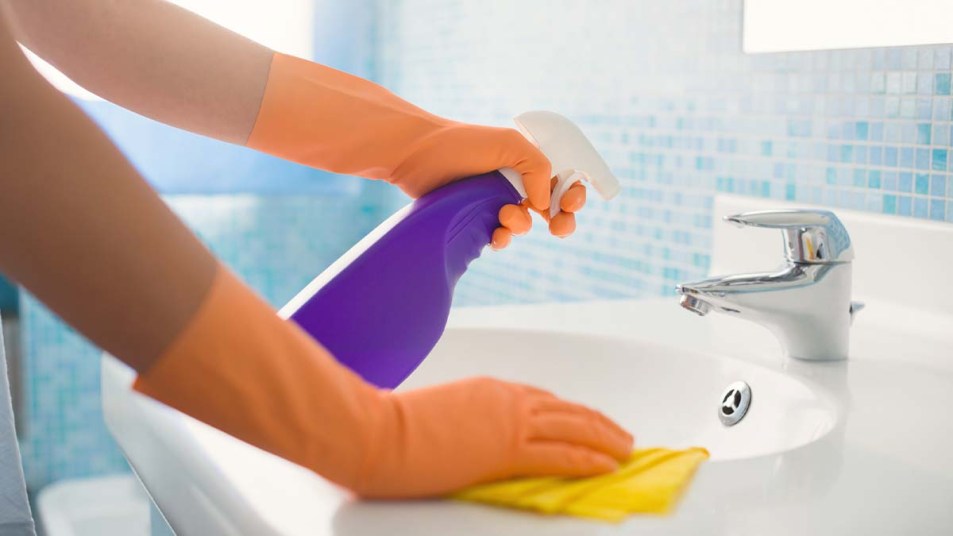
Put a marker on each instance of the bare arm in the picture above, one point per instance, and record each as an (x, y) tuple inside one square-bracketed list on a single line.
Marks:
[(81, 230), (151, 57)]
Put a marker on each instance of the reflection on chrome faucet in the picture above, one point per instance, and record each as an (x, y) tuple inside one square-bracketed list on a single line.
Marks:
[(806, 303)]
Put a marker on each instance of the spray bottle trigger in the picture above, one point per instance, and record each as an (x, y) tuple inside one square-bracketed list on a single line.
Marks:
[(564, 180), (569, 151)]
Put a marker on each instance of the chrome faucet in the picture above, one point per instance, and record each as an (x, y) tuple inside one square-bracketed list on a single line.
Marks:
[(806, 303)]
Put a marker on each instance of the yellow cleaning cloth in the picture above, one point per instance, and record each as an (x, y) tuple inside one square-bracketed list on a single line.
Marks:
[(650, 482)]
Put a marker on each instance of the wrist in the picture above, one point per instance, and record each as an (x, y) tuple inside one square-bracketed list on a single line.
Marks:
[(380, 437), (324, 118)]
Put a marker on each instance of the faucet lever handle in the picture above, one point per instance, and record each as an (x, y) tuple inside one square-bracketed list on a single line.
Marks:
[(810, 236)]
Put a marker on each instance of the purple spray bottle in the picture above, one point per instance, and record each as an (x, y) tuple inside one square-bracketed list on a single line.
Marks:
[(382, 306)]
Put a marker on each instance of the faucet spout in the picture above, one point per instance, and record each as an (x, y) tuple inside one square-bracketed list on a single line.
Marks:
[(731, 292), (694, 304), (805, 304)]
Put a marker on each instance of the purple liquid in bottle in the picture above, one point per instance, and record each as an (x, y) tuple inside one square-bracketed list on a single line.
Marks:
[(384, 311)]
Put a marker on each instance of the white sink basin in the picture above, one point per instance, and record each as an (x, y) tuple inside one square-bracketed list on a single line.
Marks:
[(665, 396)]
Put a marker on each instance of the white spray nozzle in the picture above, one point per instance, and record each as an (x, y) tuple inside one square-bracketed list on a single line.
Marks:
[(569, 151)]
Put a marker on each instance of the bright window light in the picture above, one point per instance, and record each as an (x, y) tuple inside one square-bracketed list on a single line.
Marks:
[(786, 25), (57, 79), (284, 25)]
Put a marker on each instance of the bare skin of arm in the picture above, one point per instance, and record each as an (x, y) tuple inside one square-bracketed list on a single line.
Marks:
[(81, 230), (151, 57)]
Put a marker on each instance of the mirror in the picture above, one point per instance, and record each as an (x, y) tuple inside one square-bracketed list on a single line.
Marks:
[(785, 25)]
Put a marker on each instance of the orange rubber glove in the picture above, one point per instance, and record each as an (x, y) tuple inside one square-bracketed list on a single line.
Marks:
[(328, 119), (240, 368)]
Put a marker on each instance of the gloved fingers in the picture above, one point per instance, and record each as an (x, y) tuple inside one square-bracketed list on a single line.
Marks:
[(516, 218), (574, 198), (583, 430), (501, 238), (559, 406), (533, 390), (562, 224), (535, 169), (543, 213), (615, 427), (554, 458)]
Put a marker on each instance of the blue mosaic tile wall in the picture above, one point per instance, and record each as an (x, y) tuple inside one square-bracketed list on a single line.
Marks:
[(680, 114), (275, 243)]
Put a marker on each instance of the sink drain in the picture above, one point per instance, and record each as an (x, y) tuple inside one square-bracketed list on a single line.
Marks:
[(734, 403)]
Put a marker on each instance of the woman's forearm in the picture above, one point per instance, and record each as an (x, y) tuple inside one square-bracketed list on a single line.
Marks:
[(82, 231), (151, 57)]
